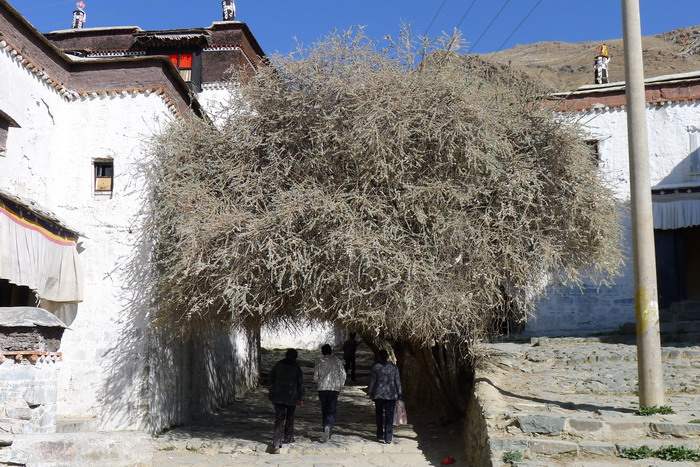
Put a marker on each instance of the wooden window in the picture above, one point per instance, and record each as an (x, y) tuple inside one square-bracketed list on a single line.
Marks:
[(183, 62), (104, 176)]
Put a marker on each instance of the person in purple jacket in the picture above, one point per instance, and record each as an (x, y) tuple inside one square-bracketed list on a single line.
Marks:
[(385, 390)]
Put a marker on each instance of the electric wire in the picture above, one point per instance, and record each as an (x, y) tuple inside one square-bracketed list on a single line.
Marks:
[(518, 27), (490, 24), (465, 14), (434, 17)]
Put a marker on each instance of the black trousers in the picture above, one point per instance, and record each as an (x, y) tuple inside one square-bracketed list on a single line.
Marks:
[(329, 404), (384, 412), (284, 424), (350, 366)]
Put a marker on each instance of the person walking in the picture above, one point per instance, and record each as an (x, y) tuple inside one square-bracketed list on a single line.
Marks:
[(349, 350), (287, 390), (329, 374), (385, 389)]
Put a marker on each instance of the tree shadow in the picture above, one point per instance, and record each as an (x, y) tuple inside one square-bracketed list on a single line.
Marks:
[(564, 405), (154, 379), (247, 425)]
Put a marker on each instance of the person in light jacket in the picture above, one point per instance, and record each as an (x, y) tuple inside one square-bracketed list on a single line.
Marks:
[(329, 374), (385, 389), (287, 391)]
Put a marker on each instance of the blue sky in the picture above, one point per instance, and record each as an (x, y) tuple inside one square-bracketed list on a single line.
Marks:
[(275, 23)]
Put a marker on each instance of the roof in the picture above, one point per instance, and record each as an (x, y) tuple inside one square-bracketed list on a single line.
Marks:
[(38, 211), (160, 39), (68, 76), (81, 38), (620, 85), (680, 87), (105, 28), (28, 317)]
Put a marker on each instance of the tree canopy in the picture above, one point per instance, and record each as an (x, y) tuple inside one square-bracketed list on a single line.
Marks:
[(407, 192)]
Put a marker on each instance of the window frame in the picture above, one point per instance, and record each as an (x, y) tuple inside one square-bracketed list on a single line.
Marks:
[(99, 180)]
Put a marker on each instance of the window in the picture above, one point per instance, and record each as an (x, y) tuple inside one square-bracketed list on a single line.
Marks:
[(104, 176), (594, 147), (183, 62), (5, 123), (4, 127), (16, 295)]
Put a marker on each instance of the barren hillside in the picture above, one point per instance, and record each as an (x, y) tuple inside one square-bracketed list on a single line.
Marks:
[(564, 66)]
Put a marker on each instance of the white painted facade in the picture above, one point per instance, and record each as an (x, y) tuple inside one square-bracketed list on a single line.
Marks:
[(114, 371), (671, 126), (305, 336)]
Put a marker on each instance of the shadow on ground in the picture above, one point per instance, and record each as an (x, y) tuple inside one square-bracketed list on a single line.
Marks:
[(246, 426)]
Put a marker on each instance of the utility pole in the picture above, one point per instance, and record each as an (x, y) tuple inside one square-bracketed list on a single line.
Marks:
[(646, 303)]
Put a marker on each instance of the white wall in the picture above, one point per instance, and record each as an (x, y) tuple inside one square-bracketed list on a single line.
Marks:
[(593, 310), (110, 360), (307, 336)]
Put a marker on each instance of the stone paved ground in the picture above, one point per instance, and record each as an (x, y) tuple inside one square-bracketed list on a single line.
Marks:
[(572, 402), (240, 435)]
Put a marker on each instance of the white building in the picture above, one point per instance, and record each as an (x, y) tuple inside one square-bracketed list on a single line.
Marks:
[(73, 134), (673, 117)]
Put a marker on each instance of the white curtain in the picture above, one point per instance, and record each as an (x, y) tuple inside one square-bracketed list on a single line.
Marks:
[(676, 210), (34, 257)]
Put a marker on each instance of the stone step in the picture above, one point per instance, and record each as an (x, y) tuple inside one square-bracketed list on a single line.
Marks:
[(538, 425), (597, 463), (103, 449), (672, 330), (76, 424), (685, 306), (667, 316), (680, 327), (555, 452)]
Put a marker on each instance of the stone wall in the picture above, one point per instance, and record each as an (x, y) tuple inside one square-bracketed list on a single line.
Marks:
[(23, 338), (476, 434), (28, 393)]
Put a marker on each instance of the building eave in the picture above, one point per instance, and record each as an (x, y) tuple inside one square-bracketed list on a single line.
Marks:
[(69, 84), (660, 90), (39, 211)]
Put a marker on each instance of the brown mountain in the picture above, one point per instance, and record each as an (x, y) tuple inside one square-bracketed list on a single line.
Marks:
[(563, 66)]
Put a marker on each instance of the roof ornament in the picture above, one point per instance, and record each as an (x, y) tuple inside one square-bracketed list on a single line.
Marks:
[(79, 16), (229, 7), (602, 58)]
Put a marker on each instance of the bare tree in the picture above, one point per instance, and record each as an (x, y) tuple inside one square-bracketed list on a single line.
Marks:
[(408, 192)]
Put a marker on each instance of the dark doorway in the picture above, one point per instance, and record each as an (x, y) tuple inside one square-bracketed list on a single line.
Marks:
[(678, 264), (15, 295)]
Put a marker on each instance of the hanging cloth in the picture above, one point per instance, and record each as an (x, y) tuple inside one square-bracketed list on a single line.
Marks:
[(39, 254), (676, 208)]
